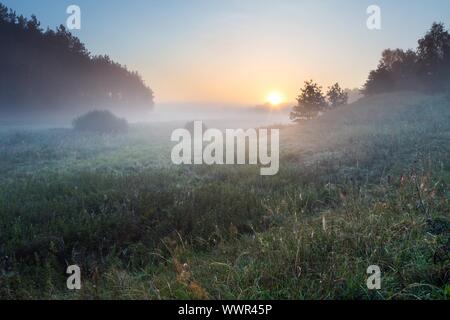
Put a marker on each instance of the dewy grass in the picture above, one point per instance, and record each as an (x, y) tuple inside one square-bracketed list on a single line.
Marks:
[(350, 193)]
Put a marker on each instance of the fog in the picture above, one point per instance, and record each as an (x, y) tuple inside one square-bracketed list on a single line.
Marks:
[(219, 116)]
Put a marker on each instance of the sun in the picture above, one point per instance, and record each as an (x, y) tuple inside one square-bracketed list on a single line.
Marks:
[(275, 98)]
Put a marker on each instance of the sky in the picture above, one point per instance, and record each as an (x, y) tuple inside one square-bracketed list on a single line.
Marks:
[(241, 51)]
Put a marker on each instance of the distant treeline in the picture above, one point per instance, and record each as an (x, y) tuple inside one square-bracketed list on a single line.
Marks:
[(426, 69), (52, 70)]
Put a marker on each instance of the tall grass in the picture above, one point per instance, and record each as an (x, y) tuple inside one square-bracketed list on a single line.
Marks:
[(350, 194)]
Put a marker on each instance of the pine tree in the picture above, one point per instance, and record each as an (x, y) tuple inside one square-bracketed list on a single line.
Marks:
[(310, 102), (336, 96)]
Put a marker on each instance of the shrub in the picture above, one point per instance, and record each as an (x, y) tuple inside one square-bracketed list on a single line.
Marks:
[(101, 122)]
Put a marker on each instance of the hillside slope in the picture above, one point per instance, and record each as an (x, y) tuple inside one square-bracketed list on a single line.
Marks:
[(396, 114)]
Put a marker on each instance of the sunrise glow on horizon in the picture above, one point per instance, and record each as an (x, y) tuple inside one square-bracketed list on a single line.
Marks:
[(234, 51), (275, 98)]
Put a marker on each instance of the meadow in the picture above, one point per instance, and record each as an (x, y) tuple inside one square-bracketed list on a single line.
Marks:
[(366, 184)]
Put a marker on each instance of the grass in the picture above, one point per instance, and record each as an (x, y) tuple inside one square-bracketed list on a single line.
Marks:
[(367, 184)]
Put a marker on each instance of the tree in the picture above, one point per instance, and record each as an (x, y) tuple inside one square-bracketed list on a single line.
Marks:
[(34, 25), (336, 96), (3, 12), (52, 71), (310, 102), (379, 81), (434, 57), (428, 68), (397, 70)]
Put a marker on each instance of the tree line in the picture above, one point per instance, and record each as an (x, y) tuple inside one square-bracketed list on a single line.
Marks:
[(427, 69), (52, 70)]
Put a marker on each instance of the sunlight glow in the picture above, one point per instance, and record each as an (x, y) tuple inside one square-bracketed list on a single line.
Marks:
[(275, 98)]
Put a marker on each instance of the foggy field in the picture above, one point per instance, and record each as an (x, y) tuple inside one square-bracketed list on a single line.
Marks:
[(367, 184)]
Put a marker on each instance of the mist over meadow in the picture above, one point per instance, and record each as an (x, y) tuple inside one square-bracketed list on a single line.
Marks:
[(358, 207)]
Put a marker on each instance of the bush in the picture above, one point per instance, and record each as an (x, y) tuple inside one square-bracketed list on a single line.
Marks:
[(101, 122)]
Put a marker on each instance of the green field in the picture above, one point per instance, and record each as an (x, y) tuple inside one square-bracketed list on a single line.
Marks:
[(366, 184)]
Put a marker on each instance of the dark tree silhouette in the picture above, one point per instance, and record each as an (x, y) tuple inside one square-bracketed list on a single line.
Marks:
[(52, 70), (310, 102), (434, 58), (336, 96), (427, 69)]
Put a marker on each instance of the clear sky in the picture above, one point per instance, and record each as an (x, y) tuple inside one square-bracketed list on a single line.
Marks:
[(238, 51)]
